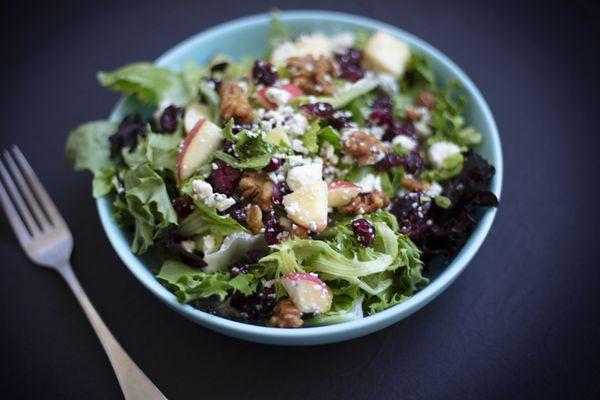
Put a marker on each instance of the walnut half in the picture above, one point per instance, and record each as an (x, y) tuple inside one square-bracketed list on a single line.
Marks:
[(366, 203), (286, 315), (363, 147), (234, 103), (257, 188), (313, 76)]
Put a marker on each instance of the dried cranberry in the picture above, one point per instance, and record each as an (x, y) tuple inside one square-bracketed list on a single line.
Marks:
[(272, 229), (338, 122), (380, 118), (280, 189), (349, 63), (412, 162), (127, 135), (170, 118), (400, 128), (183, 205), (390, 160), (318, 110), (256, 306), (264, 72), (238, 212), (274, 164), (229, 147), (364, 231), (224, 179), (382, 104), (351, 73)]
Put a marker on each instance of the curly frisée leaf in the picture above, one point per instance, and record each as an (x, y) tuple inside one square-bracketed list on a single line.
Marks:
[(149, 83), (205, 220), (190, 284), (149, 204), (88, 146)]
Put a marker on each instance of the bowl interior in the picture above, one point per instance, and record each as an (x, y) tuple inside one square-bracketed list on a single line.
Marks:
[(249, 37)]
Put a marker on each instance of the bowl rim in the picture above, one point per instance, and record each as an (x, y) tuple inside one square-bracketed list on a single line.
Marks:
[(346, 330)]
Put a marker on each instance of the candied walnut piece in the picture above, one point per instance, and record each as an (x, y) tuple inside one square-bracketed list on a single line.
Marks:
[(286, 315), (255, 219), (414, 185), (366, 203), (313, 76), (412, 114), (234, 103), (258, 188), (425, 99), (363, 147)]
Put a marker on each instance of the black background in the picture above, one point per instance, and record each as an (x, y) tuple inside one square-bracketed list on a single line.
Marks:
[(523, 321)]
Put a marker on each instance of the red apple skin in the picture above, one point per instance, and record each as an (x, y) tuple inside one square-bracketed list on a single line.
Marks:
[(293, 90), (308, 292), (341, 193), (185, 145)]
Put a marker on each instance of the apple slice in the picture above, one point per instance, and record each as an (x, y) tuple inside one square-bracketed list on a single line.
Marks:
[(385, 53), (341, 193), (307, 206), (193, 112), (308, 292), (203, 140), (293, 92)]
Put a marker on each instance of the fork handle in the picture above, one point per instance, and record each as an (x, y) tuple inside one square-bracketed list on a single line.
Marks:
[(134, 383)]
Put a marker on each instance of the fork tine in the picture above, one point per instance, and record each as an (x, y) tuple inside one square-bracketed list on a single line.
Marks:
[(18, 201), (45, 200), (26, 191), (13, 217)]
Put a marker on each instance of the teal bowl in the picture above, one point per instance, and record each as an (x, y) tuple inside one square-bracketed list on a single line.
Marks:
[(248, 36)]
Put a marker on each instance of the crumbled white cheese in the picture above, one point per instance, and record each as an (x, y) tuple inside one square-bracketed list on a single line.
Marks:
[(287, 118), (328, 153), (202, 189), (304, 175), (369, 183), (209, 244), (423, 119), (278, 96), (188, 245), (298, 146), (219, 201), (439, 151), (377, 131), (406, 142), (434, 190)]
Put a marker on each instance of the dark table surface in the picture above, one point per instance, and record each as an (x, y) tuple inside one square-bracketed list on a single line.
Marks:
[(523, 321)]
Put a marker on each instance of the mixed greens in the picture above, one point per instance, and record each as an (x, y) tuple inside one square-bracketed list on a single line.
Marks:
[(311, 186)]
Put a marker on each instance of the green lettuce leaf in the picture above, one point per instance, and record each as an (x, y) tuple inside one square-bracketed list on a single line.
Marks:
[(88, 146), (148, 202), (160, 150), (190, 284), (309, 139), (452, 166), (150, 84), (205, 220)]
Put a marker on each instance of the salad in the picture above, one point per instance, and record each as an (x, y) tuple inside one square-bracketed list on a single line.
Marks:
[(312, 186)]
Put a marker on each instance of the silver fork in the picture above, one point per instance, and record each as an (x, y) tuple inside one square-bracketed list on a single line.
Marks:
[(47, 241)]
